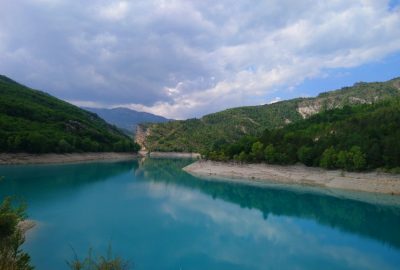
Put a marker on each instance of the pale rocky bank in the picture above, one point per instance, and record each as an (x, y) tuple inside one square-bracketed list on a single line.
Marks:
[(297, 174), (174, 155), (26, 158)]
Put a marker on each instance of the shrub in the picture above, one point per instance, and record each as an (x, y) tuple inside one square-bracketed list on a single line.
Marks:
[(12, 237), (93, 262)]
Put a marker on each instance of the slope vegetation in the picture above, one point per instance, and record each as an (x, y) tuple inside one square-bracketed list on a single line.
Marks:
[(199, 135), (33, 121), (351, 138)]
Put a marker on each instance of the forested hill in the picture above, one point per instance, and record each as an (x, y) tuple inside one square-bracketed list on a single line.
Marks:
[(198, 135), (351, 138), (127, 119), (34, 121)]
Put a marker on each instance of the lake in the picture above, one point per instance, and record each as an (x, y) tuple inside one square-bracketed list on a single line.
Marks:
[(159, 217)]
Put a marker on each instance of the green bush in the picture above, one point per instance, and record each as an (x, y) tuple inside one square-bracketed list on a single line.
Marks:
[(12, 237), (93, 262)]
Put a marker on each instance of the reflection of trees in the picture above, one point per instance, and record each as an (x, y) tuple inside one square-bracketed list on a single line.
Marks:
[(52, 179), (378, 222)]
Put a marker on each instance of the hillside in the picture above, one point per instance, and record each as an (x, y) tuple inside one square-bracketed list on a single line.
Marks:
[(34, 121), (351, 138), (199, 135), (127, 119)]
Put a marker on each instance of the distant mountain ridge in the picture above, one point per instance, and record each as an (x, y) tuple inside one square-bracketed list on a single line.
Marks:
[(126, 119), (36, 122), (199, 135)]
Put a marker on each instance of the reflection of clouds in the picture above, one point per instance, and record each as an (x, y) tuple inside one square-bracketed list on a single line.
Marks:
[(259, 242)]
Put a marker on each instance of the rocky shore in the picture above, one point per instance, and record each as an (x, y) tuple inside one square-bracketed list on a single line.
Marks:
[(26, 158), (374, 182)]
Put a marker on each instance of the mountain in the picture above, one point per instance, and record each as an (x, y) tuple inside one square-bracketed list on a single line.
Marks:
[(127, 119), (36, 122), (351, 138), (198, 135)]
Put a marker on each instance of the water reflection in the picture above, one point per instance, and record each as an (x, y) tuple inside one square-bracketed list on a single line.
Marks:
[(162, 218), (45, 181), (380, 222)]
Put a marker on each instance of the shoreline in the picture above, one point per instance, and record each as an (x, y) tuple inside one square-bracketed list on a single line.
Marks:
[(298, 175), (170, 154), (26, 158)]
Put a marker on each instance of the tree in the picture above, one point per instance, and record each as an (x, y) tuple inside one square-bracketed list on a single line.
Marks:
[(257, 150), (328, 159), (391, 155), (242, 157), (36, 143), (64, 146), (305, 155), (342, 160), (374, 156), (270, 154), (357, 158)]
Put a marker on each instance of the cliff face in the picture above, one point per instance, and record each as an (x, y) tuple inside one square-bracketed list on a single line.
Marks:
[(360, 93), (140, 135), (313, 106)]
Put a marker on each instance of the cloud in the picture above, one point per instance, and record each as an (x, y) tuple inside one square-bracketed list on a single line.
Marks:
[(114, 11), (187, 58)]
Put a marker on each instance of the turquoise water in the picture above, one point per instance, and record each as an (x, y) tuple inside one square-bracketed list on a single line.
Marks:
[(159, 217)]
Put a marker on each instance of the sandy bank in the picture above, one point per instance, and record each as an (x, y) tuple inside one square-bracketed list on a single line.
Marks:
[(316, 177), (25, 158), (172, 155)]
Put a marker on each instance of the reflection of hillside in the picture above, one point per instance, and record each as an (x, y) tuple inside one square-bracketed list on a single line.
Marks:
[(377, 222), (37, 180)]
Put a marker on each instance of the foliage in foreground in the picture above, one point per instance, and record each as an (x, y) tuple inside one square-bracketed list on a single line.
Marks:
[(93, 262), (352, 138), (12, 237), (35, 122)]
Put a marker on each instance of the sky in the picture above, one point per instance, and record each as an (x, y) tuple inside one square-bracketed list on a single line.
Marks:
[(186, 58)]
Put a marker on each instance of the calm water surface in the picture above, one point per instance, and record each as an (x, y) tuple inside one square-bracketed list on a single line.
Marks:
[(159, 217)]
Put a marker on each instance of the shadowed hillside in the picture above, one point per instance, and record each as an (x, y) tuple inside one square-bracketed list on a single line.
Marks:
[(36, 122)]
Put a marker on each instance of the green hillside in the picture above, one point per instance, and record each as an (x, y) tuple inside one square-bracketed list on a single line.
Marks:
[(33, 121), (351, 138), (199, 135)]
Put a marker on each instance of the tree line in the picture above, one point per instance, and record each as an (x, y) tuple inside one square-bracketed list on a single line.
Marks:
[(357, 138), (58, 142)]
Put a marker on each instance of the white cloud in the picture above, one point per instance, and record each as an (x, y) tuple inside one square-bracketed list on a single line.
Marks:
[(114, 11), (187, 58), (333, 36)]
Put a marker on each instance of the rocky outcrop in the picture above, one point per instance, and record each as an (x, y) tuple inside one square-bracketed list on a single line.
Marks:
[(141, 134), (396, 84), (306, 109), (309, 107)]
